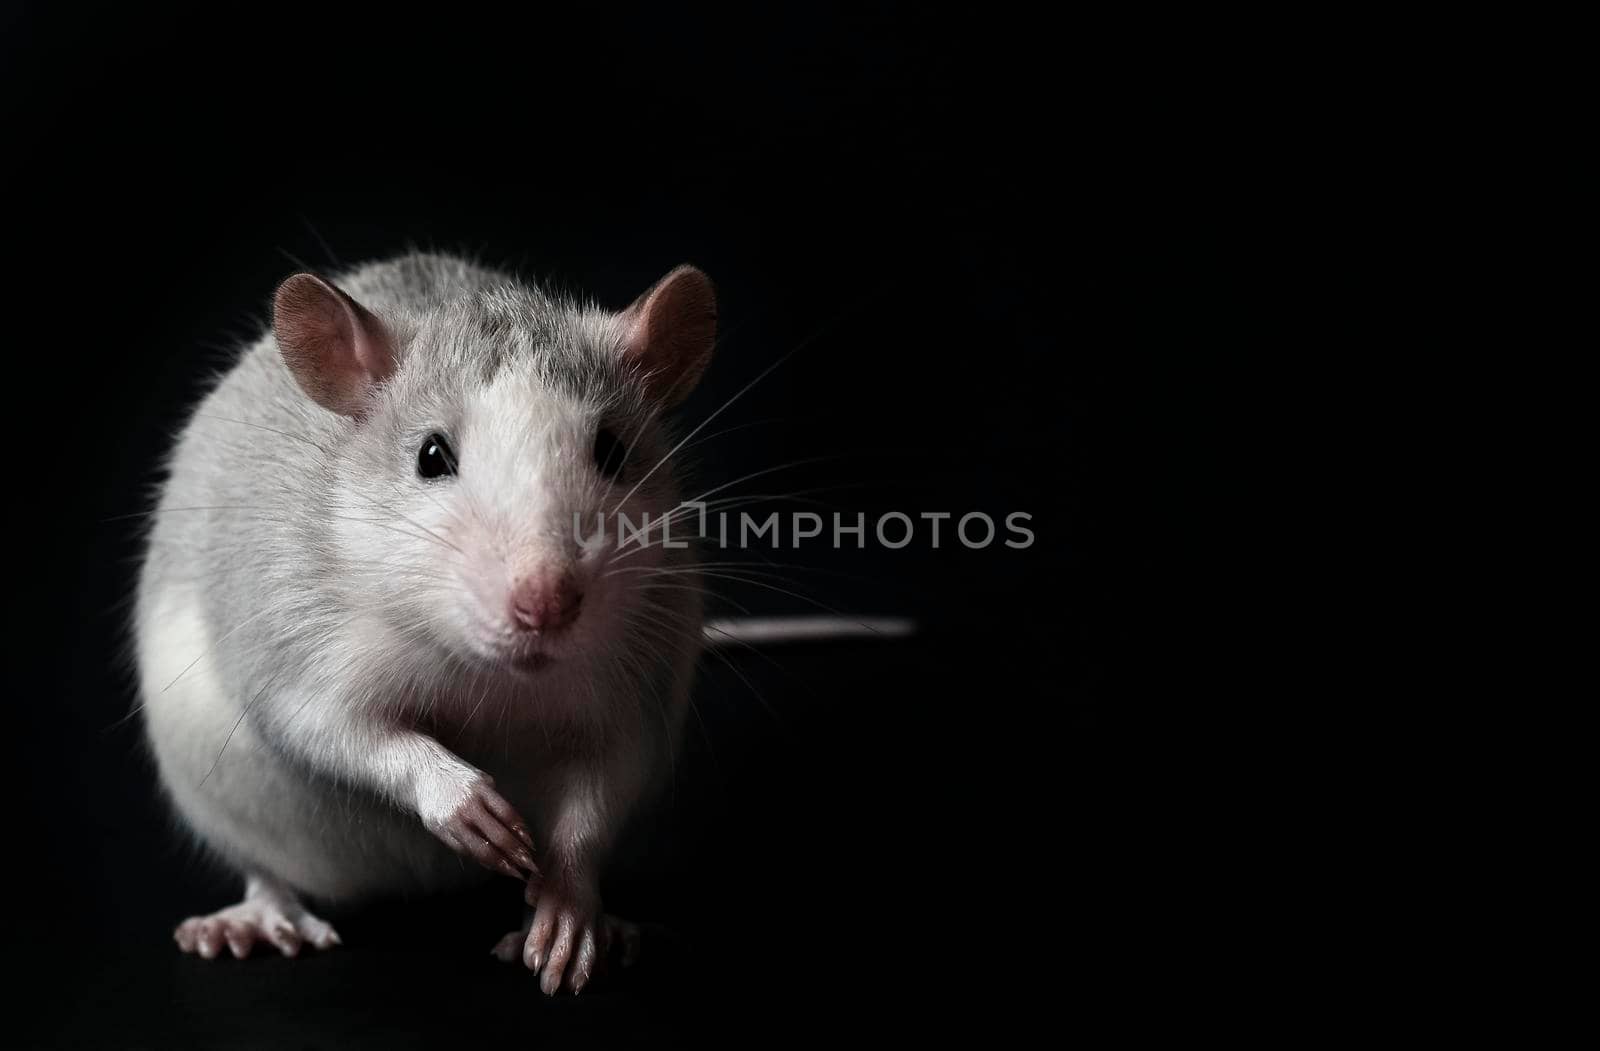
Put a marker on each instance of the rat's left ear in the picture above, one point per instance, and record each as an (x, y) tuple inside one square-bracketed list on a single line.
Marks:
[(669, 332)]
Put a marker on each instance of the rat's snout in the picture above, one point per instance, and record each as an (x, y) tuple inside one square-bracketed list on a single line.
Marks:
[(545, 602)]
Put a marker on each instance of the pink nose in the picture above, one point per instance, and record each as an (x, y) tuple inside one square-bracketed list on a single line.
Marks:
[(545, 603)]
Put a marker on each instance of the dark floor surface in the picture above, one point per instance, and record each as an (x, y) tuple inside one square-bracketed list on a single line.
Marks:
[(1021, 283), (836, 852)]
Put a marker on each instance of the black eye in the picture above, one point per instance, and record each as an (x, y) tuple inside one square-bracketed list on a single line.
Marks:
[(436, 458), (609, 453)]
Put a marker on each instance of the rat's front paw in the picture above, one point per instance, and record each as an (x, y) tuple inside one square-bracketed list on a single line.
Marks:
[(476, 821), (563, 944)]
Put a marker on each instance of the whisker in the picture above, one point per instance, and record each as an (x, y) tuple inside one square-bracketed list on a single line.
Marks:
[(253, 617), (720, 410), (236, 724)]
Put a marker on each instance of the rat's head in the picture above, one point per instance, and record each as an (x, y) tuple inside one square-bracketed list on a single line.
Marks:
[(496, 439)]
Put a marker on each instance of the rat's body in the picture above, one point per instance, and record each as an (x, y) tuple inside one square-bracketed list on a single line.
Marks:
[(370, 643)]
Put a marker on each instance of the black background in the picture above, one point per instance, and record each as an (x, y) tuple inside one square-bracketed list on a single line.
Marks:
[(1018, 256)]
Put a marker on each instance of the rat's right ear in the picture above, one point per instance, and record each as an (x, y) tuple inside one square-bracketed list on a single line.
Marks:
[(336, 348), (669, 332)]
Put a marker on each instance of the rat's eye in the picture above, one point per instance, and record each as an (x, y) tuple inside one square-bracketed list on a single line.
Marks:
[(609, 452), (435, 458)]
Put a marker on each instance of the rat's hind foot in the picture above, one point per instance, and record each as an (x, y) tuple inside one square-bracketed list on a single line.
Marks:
[(269, 912), (619, 942), (509, 947), (621, 939)]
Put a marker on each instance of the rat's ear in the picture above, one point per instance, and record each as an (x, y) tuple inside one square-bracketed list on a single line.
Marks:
[(669, 331), (336, 348)]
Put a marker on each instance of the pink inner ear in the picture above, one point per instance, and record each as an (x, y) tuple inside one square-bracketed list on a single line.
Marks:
[(670, 332), (335, 347)]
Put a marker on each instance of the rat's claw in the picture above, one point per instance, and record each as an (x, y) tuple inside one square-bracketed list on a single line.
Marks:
[(281, 933), (588, 956), (208, 941), (487, 823), (555, 968), (485, 853), (600, 945), (481, 827), (241, 939), (534, 946), (317, 932), (282, 922), (562, 943)]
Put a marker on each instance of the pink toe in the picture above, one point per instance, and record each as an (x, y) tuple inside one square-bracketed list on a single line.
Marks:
[(241, 939)]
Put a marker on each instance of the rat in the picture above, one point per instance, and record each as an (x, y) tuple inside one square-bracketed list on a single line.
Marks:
[(376, 654)]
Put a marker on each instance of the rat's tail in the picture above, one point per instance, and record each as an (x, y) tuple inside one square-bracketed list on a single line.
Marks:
[(756, 631)]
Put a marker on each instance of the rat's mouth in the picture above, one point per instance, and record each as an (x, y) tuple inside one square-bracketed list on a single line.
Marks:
[(522, 655), (530, 661)]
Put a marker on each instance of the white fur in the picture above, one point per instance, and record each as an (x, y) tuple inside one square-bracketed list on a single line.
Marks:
[(330, 673), (322, 634)]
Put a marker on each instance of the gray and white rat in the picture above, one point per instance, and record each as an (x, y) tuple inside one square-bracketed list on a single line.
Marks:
[(371, 640)]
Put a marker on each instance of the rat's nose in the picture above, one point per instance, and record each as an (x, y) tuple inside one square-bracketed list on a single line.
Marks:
[(545, 603)]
